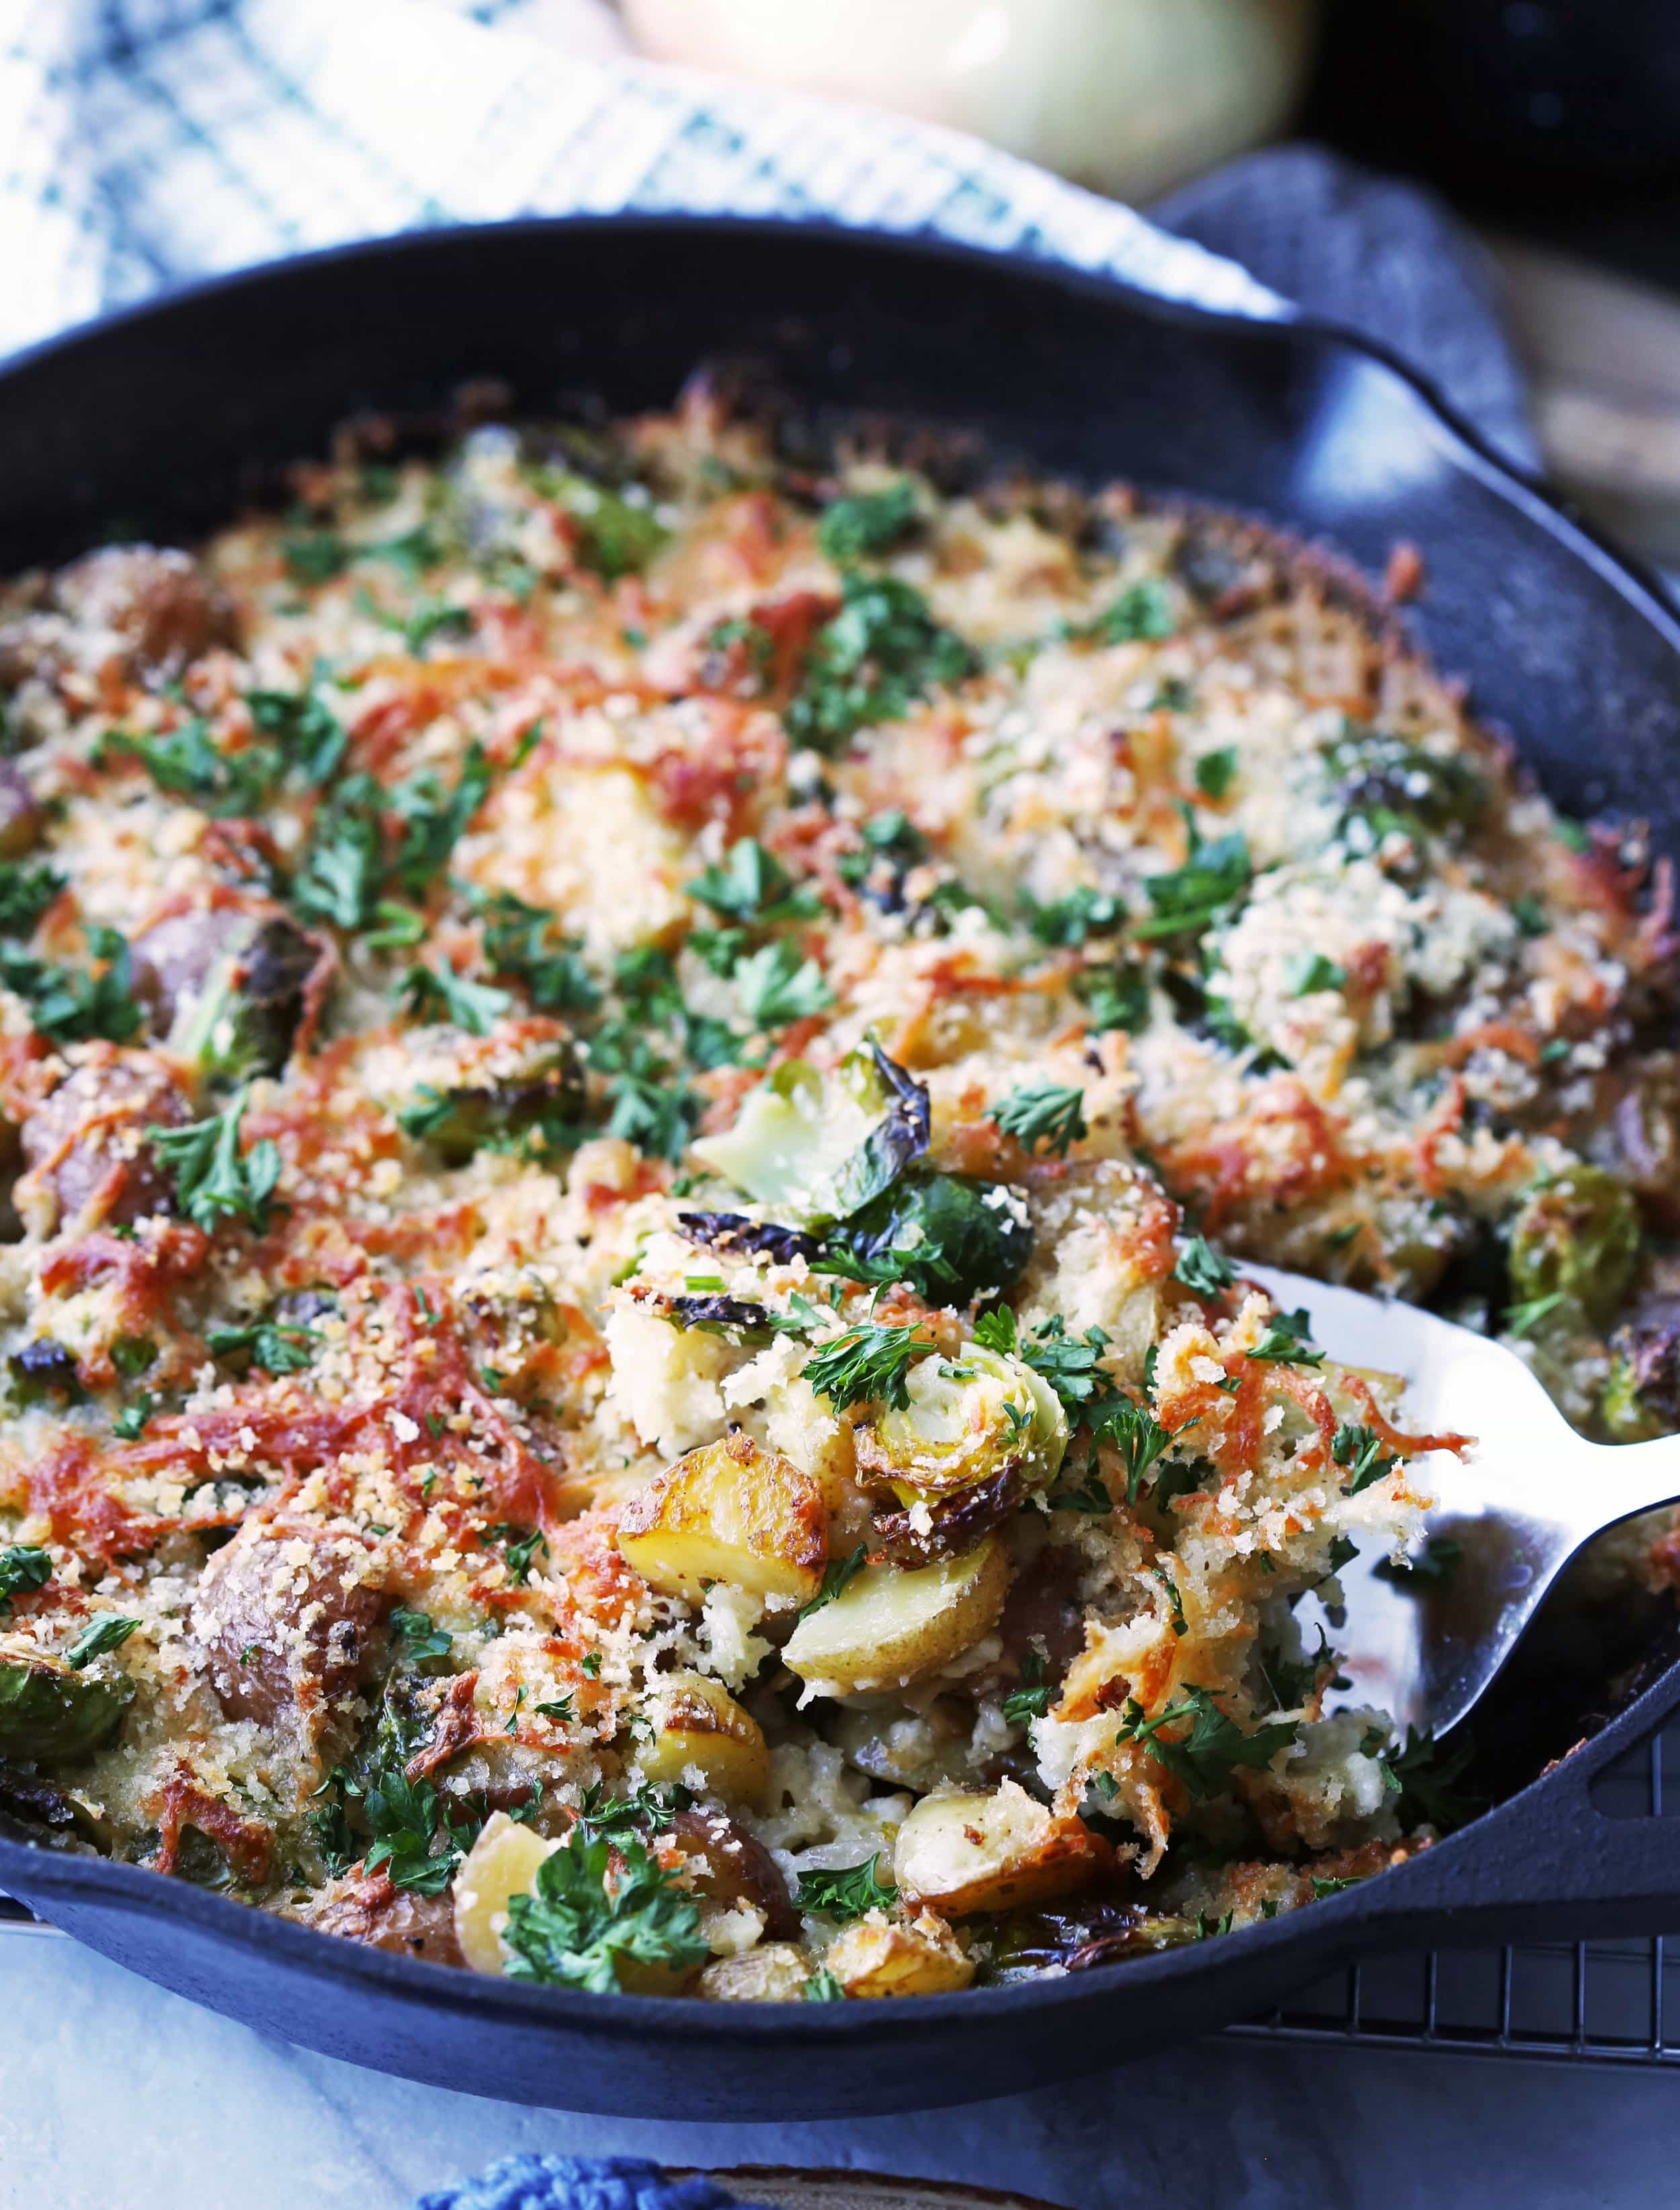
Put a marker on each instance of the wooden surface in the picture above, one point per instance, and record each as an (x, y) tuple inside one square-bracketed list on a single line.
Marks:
[(1603, 354), (860, 2190)]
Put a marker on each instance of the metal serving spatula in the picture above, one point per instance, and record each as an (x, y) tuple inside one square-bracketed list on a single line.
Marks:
[(1425, 1645)]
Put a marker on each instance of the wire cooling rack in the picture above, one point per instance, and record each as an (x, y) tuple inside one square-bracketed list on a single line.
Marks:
[(1606, 2003)]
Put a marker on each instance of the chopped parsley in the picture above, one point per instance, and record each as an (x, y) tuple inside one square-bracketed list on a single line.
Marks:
[(1034, 1697), (1046, 1115), (1215, 772), (1520, 1319), (1438, 1560), (836, 1576), (1201, 1268), (1068, 921), (1360, 1451), (307, 731), (521, 1549), (403, 1815), (434, 821), (528, 945), (186, 764), (867, 1365), (872, 662), (1114, 997), (1143, 611), (777, 986), (25, 892), (423, 1642), (1310, 971), (1215, 1746), (109, 1631), (1138, 1436), (868, 521), (1287, 1341), (846, 1894), (823, 1987), (1426, 1777), (752, 885), (474, 1007), (1213, 881), (23, 1565), (277, 1346), (75, 1005), (595, 1903), (214, 1180)]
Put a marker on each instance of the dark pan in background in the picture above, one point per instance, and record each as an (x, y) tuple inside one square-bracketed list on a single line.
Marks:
[(152, 423)]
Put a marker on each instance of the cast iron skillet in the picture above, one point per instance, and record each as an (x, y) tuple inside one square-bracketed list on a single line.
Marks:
[(149, 423)]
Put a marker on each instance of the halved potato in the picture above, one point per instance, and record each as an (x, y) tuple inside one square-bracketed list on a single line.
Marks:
[(976, 1852), (501, 1864), (890, 1625), (885, 1957), (697, 1723), (728, 1512), (776, 1972)]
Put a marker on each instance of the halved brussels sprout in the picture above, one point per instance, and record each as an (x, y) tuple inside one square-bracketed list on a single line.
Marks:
[(818, 1148), (250, 1006), (1381, 775), (950, 1238), (1641, 1397), (968, 1419), (1578, 1238), (542, 1106), (48, 1709)]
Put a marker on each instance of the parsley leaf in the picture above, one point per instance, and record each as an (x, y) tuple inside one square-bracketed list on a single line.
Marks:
[(1114, 997), (185, 763), (474, 1007), (213, 1181), (1360, 1450), (1138, 1436), (25, 895), (846, 1894), (426, 1643), (73, 1005), (1206, 1757), (1311, 971), (778, 986), (108, 1631), (306, 729), (583, 1916), (1286, 1342), (1044, 1113), (1068, 921), (1426, 1779), (1069, 1364), (1438, 1560), (1213, 879), (867, 1365), (752, 885), (339, 880), (525, 942), (1034, 1697), (433, 823), (1203, 1269), (1215, 772), (1142, 611), (836, 1575), (23, 1565), (276, 1346), (882, 652), (823, 1987), (651, 1805), (868, 521), (403, 1815)]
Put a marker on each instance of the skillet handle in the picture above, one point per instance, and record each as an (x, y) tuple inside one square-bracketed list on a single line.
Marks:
[(1548, 1866)]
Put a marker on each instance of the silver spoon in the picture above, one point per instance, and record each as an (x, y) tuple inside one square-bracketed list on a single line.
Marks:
[(1519, 1506)]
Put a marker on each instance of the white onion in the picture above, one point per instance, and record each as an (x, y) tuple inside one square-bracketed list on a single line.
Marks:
[(1130, 96)]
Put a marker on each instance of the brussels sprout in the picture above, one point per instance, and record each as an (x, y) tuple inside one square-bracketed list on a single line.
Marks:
[(1642, 1397), (968, 1419), (1578, 1239), (819, 1148), (539, 1107), (1024, 1943), (42, 1370), (49, 1709), (950, 1238), (251, 1004), (1391, 783)]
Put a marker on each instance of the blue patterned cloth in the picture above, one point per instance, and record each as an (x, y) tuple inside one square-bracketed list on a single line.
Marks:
[(582, 2182), (143, 142)]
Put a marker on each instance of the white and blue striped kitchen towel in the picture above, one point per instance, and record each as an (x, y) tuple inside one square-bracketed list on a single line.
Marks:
[(144, 142)]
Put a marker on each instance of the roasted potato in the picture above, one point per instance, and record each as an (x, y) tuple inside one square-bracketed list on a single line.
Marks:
[(890, 1625), (778, 1971), (728, 1511), (703, 1738), (886, 1957), (501, 1864), (975, 1852)]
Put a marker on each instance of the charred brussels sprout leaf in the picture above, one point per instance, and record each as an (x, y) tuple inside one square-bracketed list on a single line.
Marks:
[(49, 1709), (733, 1231), (246, 1021), (1642, 1397), (539, 1111), (951, 1238), (1577, 1241), (1386, 783), (23, 1565), (820, 1150)]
